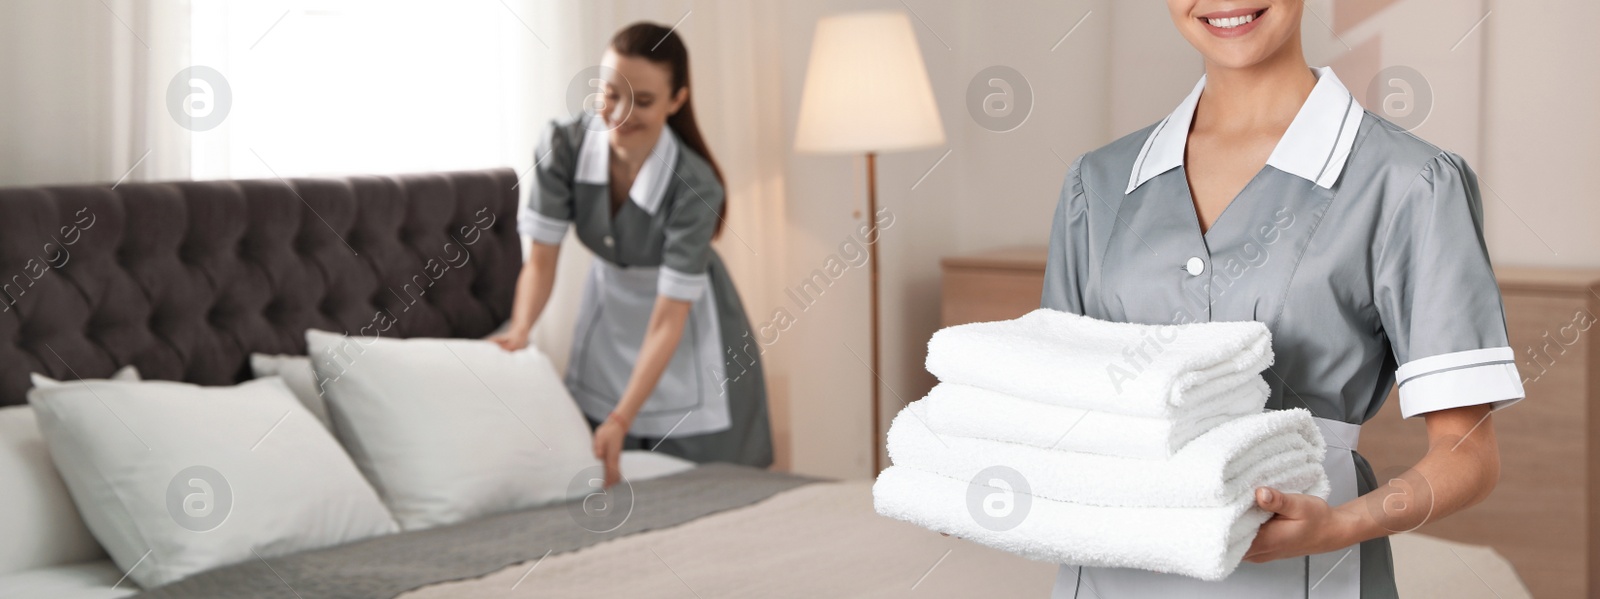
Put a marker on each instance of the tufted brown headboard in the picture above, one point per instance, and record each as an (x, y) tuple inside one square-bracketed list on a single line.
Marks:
[(185, 280)]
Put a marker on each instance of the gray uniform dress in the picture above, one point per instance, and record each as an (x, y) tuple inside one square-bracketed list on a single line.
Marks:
[(1361, 248), (711, 402)]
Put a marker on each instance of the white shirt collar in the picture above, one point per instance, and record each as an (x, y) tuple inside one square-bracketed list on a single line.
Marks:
[(594, 166), (1314, 148)]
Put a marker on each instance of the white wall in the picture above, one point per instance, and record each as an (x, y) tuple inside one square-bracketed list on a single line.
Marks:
[(1152, 67), (1542, 133)]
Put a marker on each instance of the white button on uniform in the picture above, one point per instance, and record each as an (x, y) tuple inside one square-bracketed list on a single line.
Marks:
[(608, 241), (1195, 266)]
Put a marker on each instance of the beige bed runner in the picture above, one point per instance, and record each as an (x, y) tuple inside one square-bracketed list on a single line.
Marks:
[(820, 540), (824, 540)]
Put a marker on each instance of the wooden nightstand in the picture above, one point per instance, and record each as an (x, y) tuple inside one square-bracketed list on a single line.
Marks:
[(992, 285)]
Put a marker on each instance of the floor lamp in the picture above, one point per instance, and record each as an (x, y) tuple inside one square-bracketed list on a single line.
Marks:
[(866, 92)]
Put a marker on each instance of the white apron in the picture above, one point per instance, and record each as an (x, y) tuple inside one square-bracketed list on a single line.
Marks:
[(1333, 575), (617, 303)]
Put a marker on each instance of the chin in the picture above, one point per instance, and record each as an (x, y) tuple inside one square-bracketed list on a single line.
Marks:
[(629, 131), (1235, 56)]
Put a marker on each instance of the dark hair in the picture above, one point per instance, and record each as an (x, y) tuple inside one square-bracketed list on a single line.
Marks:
[(661, 45)]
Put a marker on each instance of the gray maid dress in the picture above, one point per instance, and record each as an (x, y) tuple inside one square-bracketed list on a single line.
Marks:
[(711, 402), (1360, 247)]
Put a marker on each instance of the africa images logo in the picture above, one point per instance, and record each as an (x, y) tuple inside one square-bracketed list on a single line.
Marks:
[(601, 509), (199, 98), (199, 498), (999, 498)]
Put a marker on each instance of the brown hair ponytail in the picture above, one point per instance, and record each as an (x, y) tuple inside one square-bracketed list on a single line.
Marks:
[(661, 45)]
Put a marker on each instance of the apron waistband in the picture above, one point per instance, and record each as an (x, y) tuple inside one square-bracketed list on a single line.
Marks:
[(1340, 434), (643, 273)]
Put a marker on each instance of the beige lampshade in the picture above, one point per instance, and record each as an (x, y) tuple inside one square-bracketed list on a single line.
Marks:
[(867, 88)]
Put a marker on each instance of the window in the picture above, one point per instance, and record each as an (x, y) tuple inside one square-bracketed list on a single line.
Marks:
[(362, 86)]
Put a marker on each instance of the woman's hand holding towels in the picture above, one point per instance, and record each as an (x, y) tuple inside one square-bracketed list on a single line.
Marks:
[(1072, 440)]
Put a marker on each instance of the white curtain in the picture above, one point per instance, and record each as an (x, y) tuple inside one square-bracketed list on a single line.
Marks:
[(84, 91)]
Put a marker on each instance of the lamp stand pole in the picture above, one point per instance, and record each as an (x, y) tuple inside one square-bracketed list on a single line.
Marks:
[(872, 259)]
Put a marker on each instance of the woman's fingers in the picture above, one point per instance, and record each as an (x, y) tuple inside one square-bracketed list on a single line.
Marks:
[(1267, 498), (1263, 548), (1293, 506), (608, 449), (1300, 525), (509, 342), (613, 465), (1272, 500)]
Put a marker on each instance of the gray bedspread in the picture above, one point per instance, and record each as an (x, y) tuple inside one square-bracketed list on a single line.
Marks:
[(386, 566)]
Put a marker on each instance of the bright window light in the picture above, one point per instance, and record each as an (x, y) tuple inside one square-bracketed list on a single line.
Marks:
[(361, 86)]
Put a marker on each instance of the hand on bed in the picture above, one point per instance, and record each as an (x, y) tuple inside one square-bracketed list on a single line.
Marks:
[(608, 448), (1300, 525), (510, 341)]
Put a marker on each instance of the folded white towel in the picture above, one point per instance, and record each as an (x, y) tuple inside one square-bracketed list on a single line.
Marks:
[(1160, 371), (1205, 543), (1280, 449), (965, 411)]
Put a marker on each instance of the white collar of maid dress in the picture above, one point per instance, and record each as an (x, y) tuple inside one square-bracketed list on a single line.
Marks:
[(594, 166), (1314, 148)]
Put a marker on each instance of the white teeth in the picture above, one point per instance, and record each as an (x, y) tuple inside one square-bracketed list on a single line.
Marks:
[(1231, 22)]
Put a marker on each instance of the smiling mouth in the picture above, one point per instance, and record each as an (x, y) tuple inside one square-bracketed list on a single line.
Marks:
[(1235, 21)]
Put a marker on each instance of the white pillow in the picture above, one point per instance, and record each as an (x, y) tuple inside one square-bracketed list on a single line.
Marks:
[(177, 478), (40, 526), (126, 373), (452, 429), (296, 373)]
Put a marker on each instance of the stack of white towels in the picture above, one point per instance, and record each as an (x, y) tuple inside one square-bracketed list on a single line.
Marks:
[(1120, 445)]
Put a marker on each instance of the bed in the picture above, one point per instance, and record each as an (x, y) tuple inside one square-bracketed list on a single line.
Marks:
[(186, 280), (778, 536)]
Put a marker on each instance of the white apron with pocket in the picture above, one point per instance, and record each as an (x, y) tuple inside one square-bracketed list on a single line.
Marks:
[(617, 303)]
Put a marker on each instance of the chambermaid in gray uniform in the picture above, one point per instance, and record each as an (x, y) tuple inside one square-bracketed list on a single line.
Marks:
[(1360, 247), (711, 402)]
